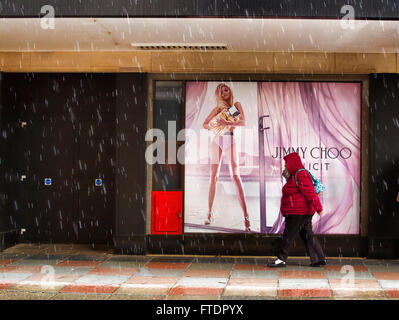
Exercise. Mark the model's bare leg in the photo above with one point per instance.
(216, 160)
(236, 179)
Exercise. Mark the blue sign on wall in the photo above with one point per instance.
(47, 182)
(99, 182)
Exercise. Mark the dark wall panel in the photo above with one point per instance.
(11, 162)
(131, 126)
(60, 126)
(3, 223)
(95, 207)
(384, 155)
(48, 153)
(77, 128)
(363, 9)
(94, 131)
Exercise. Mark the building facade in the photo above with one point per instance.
(109, 146)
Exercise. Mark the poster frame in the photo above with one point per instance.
(242, 77)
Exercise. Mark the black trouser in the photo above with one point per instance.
(301, 224)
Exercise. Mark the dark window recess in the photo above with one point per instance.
(168, 105)
(168, 118)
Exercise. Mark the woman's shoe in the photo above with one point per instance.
(208, 219)
(247, 224)
(277, 264)
(318, 264)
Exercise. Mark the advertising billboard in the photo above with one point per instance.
(237, 134)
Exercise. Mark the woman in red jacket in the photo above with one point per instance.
(298, 204)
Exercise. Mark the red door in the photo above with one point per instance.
(166, 212)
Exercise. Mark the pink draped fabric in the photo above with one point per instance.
(195, 95)
(321, 114)
(339, 124)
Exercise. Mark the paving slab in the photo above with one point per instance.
(301, 274)
(35, 287)
(251, 287)
(386, 275)
(172, 259)
(141, 290)
(392, 293)
(77, 263)
(127, 258)
(4, 262)
(289, 267)
(144, 272)
(49, 278)
(303, 284)
(363, 293)
(199, 282)
(136, 297)
(253, 261)
(89, 288)
(114, 271)
(345, 261)
(34, 262)
(25, 251)
(21, 295)
(44, 256)
(72, 270)
(192, 297)
(248, 266)
(267, 274)
(12, 256)
(10, 277)
(216, 260)
(94, 279)
(210, 266)
(356, 275)
(167, 265)
(207, 273)
(147, 286)
(20, 269)
(389, 284)
(345, 268)
(192, 291)
(199, 286)
(121, 264)
(166, 281)
(84, 257)
(248, 298)
(77, 249)
(364, 298)
(80, 296)
(356, 288)
(308, 293)
(377, 262)
(383, 268)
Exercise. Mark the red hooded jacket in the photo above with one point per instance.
(301, 200)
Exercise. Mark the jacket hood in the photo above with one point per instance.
(293, 162)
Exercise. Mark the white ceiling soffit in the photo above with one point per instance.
(124, 34)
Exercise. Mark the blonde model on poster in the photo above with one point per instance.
(225, 144)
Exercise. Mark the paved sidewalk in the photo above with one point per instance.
(80, 272)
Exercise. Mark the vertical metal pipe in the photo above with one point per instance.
(263, 227)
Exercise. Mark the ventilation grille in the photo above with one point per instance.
(178, 46)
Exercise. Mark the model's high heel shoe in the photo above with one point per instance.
(208, 219)
(247, 224)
